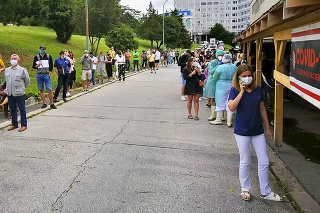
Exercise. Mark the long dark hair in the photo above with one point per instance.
(189, 64)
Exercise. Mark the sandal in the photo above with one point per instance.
(245, 195)
(190, 117)
(196, 118)
(272, 196)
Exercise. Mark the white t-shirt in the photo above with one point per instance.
(158, 55)
(120, 60)
(94, 64)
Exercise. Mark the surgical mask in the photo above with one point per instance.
(194, 64)
(13, 62)
(220, 58)
(245, 80)
(41, 52)
(87, 55)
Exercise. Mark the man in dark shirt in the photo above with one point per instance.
(44, 66)
(182, 62)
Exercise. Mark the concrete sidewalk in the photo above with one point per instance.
(129, 147)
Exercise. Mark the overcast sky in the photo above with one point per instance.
(142, 5)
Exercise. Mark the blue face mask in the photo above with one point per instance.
(41, 52)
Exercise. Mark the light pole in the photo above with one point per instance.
(163, 22)
(87, 24)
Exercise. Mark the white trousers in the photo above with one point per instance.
(260, 147)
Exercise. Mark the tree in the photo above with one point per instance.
(130, 17)
(60, 18)
(103, 16)
(121, 38)
(221, 34)
(176, 35)
(151, 26)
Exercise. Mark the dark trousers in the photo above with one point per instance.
(109, 69)
(144, 63)
(127, 65)
(121, 69)
(62, 81)
(135, 64)
(13, 101)
(72, 78)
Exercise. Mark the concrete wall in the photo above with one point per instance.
(260, 7)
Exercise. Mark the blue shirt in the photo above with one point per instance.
(62, 63)
(248, 120)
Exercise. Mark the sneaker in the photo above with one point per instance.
(52, 106)
(68, 94)
(44, 106)
(200, 99)
(183, 98)
(65, 100)
(83, 90)
(87, 90)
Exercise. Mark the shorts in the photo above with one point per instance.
(100, 70)
(183, 80)
(157, 61)
(151, 64)
(86, 75)
(44, 79)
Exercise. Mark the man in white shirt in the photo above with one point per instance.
(94, 66)
(121, 61)
(157, 60)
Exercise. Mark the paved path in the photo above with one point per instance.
(126, 147)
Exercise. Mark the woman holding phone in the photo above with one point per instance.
(192, 74)
(248, 100)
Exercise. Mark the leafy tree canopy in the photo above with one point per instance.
(121, 38)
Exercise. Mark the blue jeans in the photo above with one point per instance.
(13, 101)
(92, 76)
(127, 65)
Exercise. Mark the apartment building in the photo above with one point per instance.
(234, 15)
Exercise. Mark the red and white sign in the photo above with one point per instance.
(305, 63)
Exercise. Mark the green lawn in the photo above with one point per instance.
(25, 41)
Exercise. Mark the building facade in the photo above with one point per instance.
(234, 15)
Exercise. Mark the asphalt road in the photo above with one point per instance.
(126, 147)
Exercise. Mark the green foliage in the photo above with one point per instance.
(151, 26)
(103, 17)
(122, 38)
(221, 34)
(60, 19)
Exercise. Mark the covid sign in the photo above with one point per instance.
(305, 63)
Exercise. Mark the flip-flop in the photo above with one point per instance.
(245, 195)
(272, 196)
(190, 117)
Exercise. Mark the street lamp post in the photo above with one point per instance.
(87, 24)
(163, 22)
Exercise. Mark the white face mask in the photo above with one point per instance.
(220, 58)
(13, 62)
(245, 80)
